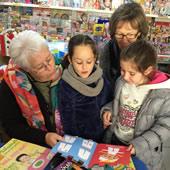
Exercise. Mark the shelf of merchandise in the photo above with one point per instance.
(162, 59)
(54, 7)
(164, 18)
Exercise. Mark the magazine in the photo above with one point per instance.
(21, 155)
(161, 8)
(91, 154)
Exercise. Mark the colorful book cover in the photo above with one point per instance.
(78, 148)
(110, 154)
(147, 5)
(106, 5)
(130, 166)
(91, 154)
(161, 7)
(159, 36)
(64, 165)
(21, 155)
(80, 22)
(116, 4)
(88, 4)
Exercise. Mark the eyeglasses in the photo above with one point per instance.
(44, 66)
(128, 36)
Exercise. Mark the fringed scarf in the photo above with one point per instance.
(83, 85)
(25, 96)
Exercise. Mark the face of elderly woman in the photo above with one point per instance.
(125, 34)
(42, 66)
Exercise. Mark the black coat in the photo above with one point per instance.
(80, 114)
(109, 61)
(14, 124)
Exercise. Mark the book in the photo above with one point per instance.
(159, 36)
(58, 162)
(161, 8)
(91, 154)
(21, 155)
(116, 4)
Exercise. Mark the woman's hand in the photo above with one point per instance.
(131, 149)
(107, 117)
(52, 138)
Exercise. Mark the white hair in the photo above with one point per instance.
(24, 45)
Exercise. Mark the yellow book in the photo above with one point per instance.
(21, 155)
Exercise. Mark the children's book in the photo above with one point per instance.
(159, 36)
(91, 154)
(21, 155)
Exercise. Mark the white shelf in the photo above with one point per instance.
(157, 16)
(53, 7)
(163, 59)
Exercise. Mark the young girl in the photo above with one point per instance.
(83, 91)
(139, 115)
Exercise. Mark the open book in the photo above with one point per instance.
(90, 154)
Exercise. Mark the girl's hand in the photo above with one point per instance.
(52, 138)
(107, 119)
(131, 149)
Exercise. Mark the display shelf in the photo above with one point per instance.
(47, 19)
(107, 12)
(54, 7)
(41, 6)
(160, 18)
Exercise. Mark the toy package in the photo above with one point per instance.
(5, 39)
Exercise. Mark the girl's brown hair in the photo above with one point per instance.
(142, 53)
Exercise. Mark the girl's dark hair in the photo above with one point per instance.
(77, 40)
(130, 12)
(142, 53)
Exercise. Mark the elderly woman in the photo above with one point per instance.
(127, 24)
(28, 99)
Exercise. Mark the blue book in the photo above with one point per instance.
(81, 150)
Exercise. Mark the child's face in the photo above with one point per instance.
(26, 159)
(132, 75)
(107, 3)
(83, 60)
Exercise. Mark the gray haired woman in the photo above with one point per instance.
(28, 91)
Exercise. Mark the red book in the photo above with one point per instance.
(112, 155)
